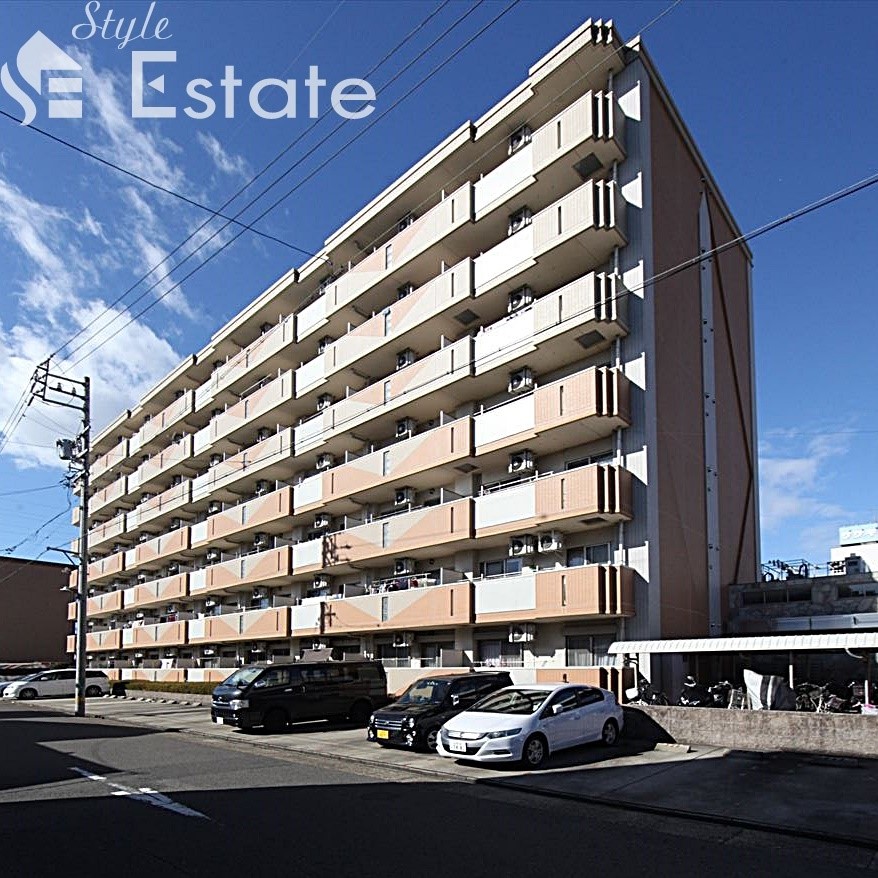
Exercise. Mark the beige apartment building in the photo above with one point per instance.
(474, 431)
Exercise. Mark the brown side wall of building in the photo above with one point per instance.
(33, 611)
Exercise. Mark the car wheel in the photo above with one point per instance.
(431, 739)
(610, 733)
(275, 721)
(534, 752)
(359, 713)
(27, 694)
(93, 692)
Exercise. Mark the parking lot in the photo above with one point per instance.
(782, 793)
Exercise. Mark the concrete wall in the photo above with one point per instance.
(826, 733)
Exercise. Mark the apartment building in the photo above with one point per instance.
(473, 431)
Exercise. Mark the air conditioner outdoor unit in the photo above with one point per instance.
(142, 577)
(551, 541)
(519, 138)
(260, 540)
(176, 480)
(208, 652)
(171, 608)
(324, 343)
(522, 461)
(176, 438)
(324, 401)
(139, 615)
(404, 290)
(215, 413)
(138, 655)
(405, 221)
(405, 358)
(521, 544)
(401, 640)
(212, 556)
(210, 602)
(146, 495)
(319, 644)
(173, 568)
(117, 547)
(402, 496)
(215, 459)
(263, 486)
(263, 434)
(322, 582)
(403, 566)
(176, 523)
(259, 593)
(325, 461)
(214, 506)
(405, 427)
(266, 327)
(521, 380)
(520, 298)
(518, 220)
(144, 537)
(522, 633)
(322, 521)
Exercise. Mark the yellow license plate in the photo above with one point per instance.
(383, 734)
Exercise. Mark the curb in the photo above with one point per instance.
(498, 783)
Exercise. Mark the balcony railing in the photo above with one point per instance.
(159, 591)
(168, 501)
(273, 507)
(108, 495)
(249, 625)
(164, 546)
(104, 604)
(104, 568)
(107, 461)
(105, 532)
(151, 636)
(160, 423)
(160, 463)
(98, 641)
(270, 567)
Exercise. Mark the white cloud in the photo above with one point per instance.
(227, 163)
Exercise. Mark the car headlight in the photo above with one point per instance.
(239, 704)
(506, 733)
(409, 721)
(372, 719)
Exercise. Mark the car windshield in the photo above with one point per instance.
(243, 677)
(522, 701)
(425, 692)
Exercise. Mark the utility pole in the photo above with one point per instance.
(49, 387)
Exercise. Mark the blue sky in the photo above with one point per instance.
(775, 95)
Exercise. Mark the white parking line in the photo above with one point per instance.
(144, 794)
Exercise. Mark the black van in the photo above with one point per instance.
(272, 696)
(415, 719)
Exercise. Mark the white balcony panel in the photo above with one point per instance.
(505, 420)
(507, 259)
(508, 505)
(198, 580)
(198, 532)
(503, 337)
(307, 554)
(196, 627)
(504, 181)
(310, 434)
(202, 440)
(305, 616)
(312, 316)
(312, 374)
(307, 492)
(506, 593)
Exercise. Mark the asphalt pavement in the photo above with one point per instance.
(128, 796)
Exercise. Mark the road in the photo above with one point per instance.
(92, 797)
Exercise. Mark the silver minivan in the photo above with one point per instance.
(58, 683)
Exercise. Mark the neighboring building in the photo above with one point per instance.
(857, 549)
(33, 611)
(478, 439)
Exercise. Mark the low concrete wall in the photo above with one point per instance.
(168, 696)
(825, 733)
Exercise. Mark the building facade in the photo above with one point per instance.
(490, 424)
(33, 611)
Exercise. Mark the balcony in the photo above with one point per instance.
(420, 532)
(583, 407)
(156, 593)
(164, 546)
(409, 387)
(113, 492)
(273, 509)
(249, 625)
(161, 423)
(105, 568)
(71, 611)
(240, 367)
(594, 496)
(105, 532)
(411, 320)
(104, 604)
(598, 590)
(263, 459)
(106, 462)
(402, 250)
(306, 618)
(161, 634)
(98, 641)
(415, 462)
(429, 607)
(267, 400)
(591, 125)
(272, 567)
(579, 230)
(161, 504)
(149, 473)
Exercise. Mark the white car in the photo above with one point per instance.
(527, 723)
(58, 683)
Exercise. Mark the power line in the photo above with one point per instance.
(275, 204)
(30, 490)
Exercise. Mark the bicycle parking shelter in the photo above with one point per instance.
(859, 645)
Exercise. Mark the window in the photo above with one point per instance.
(567, 699)
(589, 650)
(431, 653)
(600, 457)
(500, 654)
(589, 696)
(314, 675)
(274, 677)
(501, 567)
(577, 556)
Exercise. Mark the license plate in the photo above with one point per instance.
(383, 734)
(218, 720)
(457, 746)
